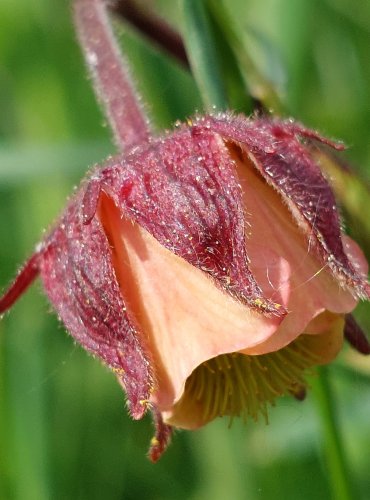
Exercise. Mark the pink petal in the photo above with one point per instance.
(320, 348)
(355, 256)
(270, 225)
(326, 345)
(186, 317)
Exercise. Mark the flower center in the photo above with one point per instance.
(240, 385)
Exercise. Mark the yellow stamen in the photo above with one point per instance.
(238, 385)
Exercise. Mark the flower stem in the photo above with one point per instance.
(336, 463)
(110, 74)
(202, 54)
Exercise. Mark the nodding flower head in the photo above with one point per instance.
(206, 267)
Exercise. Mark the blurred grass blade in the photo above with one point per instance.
(238, 96)
(258, 85)
(229, 477)
(21, 163)
(202, 55)
(339, 478)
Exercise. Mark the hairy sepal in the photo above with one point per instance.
(184, 191)
(80, 281)
(279, 153)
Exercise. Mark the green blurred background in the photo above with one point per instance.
(64, 431)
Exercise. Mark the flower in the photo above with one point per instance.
(207, 269)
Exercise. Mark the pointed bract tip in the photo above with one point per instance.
(25, 277)
(355, 336)
(161, 438)
(90, 200)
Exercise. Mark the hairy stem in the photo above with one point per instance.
(110, 74)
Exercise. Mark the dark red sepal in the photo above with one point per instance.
(183, 189)
(80, 281)
(355, 336)
(277, 150)
(161, 439)
(27, 274)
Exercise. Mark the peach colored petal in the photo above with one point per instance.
(328, 344)
(270, 225)
(323, 323)
(323, 347)
(273, 272)
(185, 316)
(188, 319)
(191, 419)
